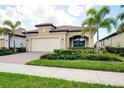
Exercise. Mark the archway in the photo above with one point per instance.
(77, 42)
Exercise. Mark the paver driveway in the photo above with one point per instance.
(21, 58)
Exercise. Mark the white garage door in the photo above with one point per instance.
(45, 44)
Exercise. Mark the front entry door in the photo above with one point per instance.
(78, 42)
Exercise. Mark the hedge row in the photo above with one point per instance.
(75, 51)
(115, 50)
(83, 48)
(5, 51)
(61, 56)
(20, 49)
(105, 57)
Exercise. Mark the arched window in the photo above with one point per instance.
(77, 42)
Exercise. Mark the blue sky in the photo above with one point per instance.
(56, 14)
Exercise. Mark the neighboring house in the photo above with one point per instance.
(48, 37)
(114, 40)
(6, 40)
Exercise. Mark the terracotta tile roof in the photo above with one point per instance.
(63, 28)
(19, 33)
(32, 31)
(45, 24)
(68, 27)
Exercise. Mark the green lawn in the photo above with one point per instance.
(81, 64)
(122, 58)
(9, 80)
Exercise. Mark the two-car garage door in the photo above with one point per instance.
(45, 44)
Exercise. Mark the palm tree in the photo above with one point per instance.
(4, 30)
(13, 28)
(120, 17)
(97, 19)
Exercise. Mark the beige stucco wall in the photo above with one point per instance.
(114, 41)
(64, 37)
(2, 43)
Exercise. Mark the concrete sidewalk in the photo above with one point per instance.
(92, 76)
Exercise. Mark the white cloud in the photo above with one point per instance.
(62, 18)
(45, 13)
(40, 14)
(34, 12)
(75, 10)
(10, 13)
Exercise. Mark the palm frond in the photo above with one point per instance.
(1, 30)
(17, 24)
(4, 31)
(89, 25)
(103, 11)
(120, 28)
(91, 30)
(91, 21)
(107, 26)
(111, 21)
(107, 23)
(120, 16)
(9, 23)
(92, 12)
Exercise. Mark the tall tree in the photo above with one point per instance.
(13, 28)
(4, 31)
(97, 19)
(120, 18)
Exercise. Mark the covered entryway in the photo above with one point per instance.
(2, 43)
(77, 42)
(45, 44)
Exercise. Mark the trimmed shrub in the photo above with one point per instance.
(83, 48)
(68, 51)
(75, 51)
(5, 51)
(64, 51)
(61, 56)
(19, 50)
(88, 51)
(121, 54)
(115, 50)
(103, 50)
(104, 57)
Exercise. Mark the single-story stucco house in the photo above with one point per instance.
(48, 37)
(114, 40)
(7, 40)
